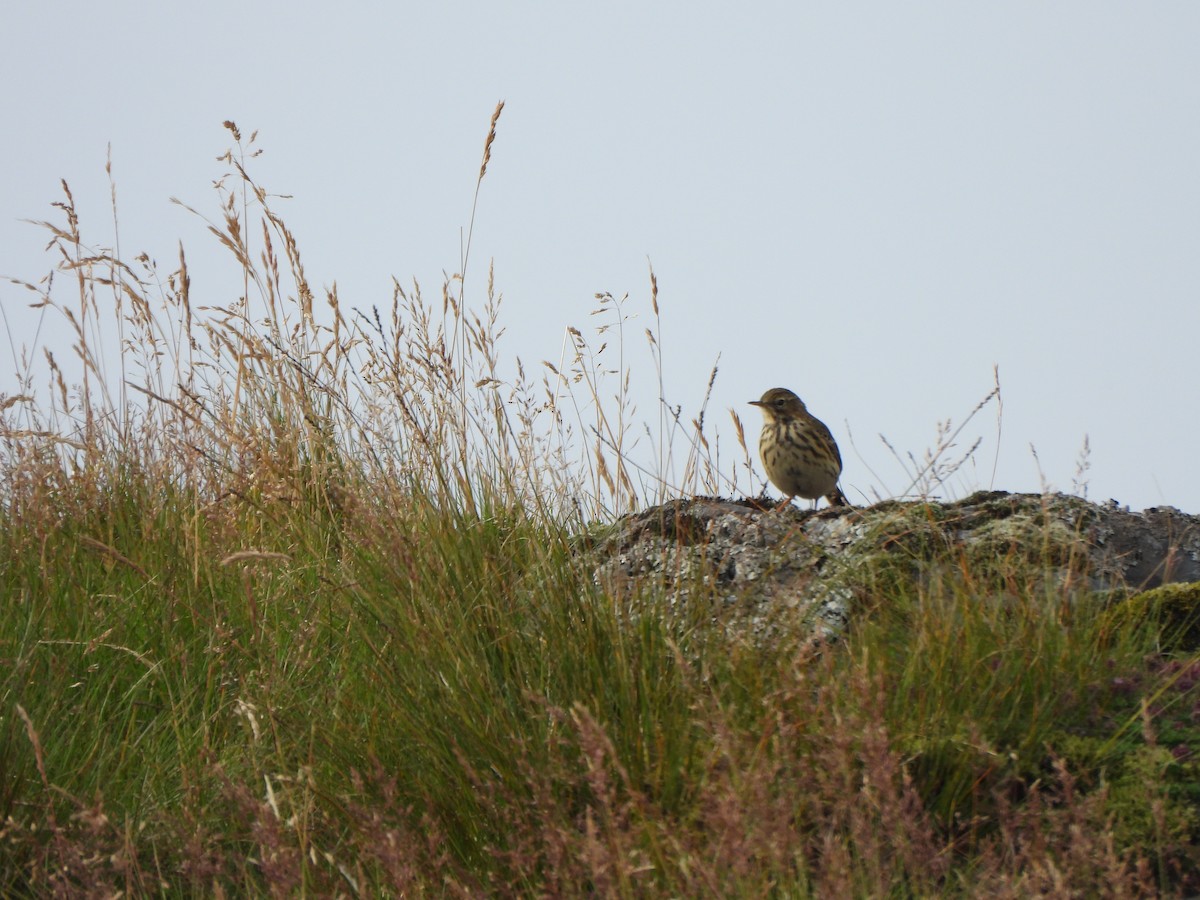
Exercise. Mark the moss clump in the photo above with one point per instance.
(1174, 609)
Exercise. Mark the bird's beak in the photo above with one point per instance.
(756, 403)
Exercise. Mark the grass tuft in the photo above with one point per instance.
(291, 606)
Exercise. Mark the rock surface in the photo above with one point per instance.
(757, 563)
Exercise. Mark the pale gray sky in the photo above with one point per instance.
(870, 203)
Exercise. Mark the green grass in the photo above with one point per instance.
(306, 614)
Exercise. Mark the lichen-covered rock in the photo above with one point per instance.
(753, 564)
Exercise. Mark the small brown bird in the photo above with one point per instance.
(799, 453)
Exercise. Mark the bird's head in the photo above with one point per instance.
(780, 403)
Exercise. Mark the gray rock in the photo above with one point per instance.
(751, 565)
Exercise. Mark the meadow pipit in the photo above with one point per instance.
(800, 455)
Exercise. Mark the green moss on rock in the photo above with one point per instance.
(1173, 608)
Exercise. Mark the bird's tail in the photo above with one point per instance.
(836, 497)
